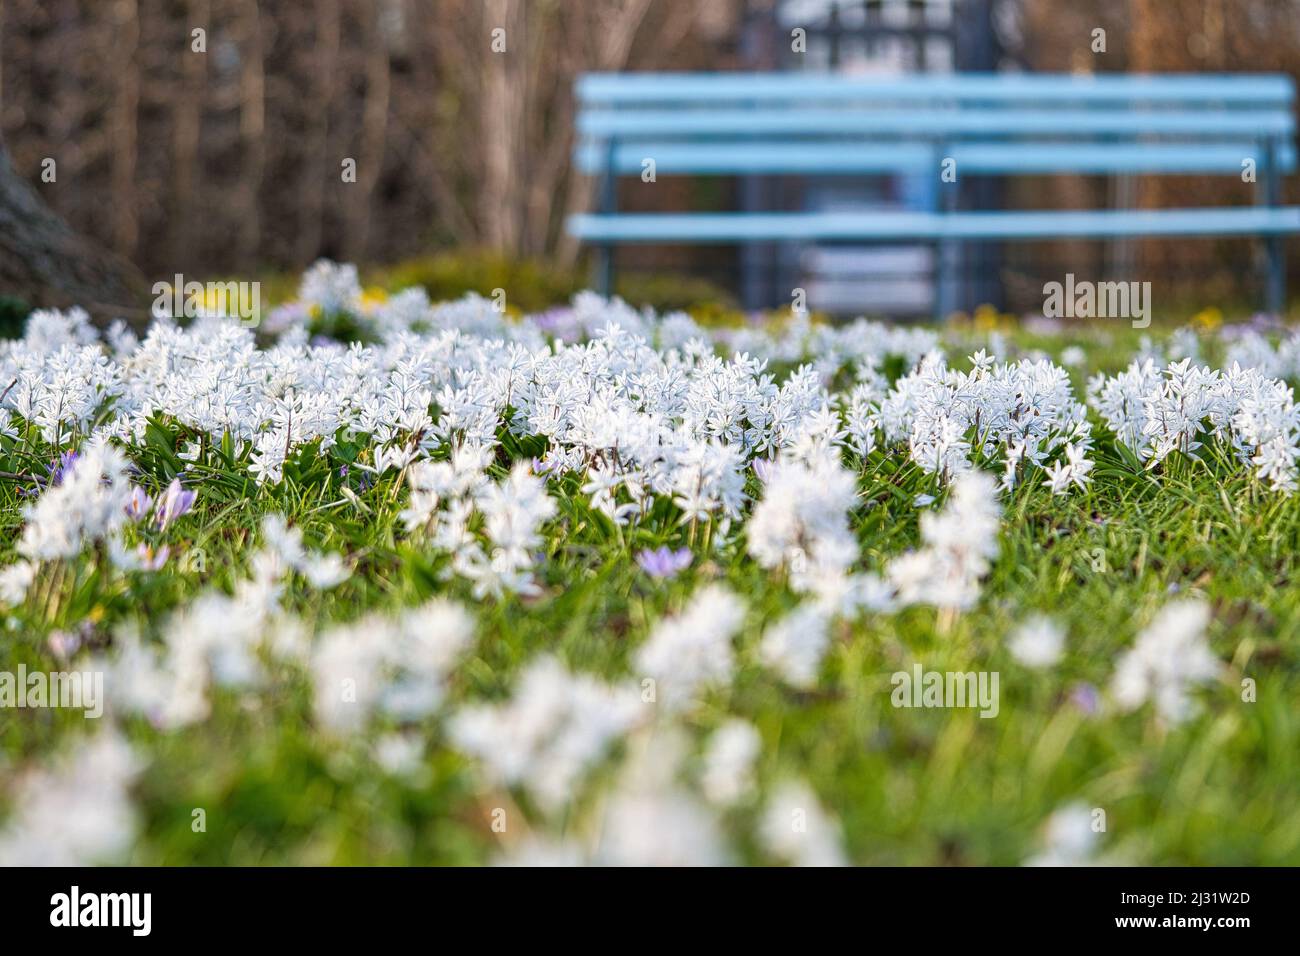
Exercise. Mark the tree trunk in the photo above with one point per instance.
(46, 264)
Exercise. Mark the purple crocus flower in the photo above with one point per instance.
(64, 644)
(664, 562)
(560, 322)
(60, 467)
(174, 503)
(151, 560)
(139, 504)
(1084, 696)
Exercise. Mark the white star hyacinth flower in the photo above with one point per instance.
(691, 652)
(15, 580)
(554, 728)
(76, 811)
(1073, 355)
(1069, 838)
(938, 411)
(796, 829)
(513, 513)
(802, 522)
(1157, 412)
(330, 287)
(727, 776)
(88, 505)
(1038, 642)
(1170, 657)
(1061, 476)
(650, 819)
(219, 638)
(49, 330)
(958, 546)
(397, 666)
(795, 645)
(285, 547)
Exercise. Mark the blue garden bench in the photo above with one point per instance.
(985, 124)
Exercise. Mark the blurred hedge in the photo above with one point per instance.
(532, 285)
(13, 314)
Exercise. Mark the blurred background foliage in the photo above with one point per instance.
(229, 162)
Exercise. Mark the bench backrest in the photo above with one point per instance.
(760, 123)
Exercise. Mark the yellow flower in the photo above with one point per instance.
(987, 318)
(214, 298)
(1207, 319)
(372, 297)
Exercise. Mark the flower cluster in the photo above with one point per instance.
(1156, 412)
(1169, 658)
(756, 502)
(1016, 414)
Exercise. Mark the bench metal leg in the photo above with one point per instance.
(943, 280)
(945, 264)
(1274, 250)
(1275, 292)
(603, 270)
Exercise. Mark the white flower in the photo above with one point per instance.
(691, 652)
(48, 330)
(958, 545)
(15, 580)
(88, 505)
(331, 288)
(1070, 838)
(1073, 471)
(395, 665)
(1157, 412)
(727, 777)
(796, 829)
(285, 549)
(552, 730)
(1038, 642)
(802, 522)
(650, 818)
(77, 810)
(1170, 656)
(794, 645)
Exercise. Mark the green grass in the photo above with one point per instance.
(908, 786)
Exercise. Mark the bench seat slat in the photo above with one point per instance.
(786, 87)
(934, 123)
(891, 225)
(847, 158)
